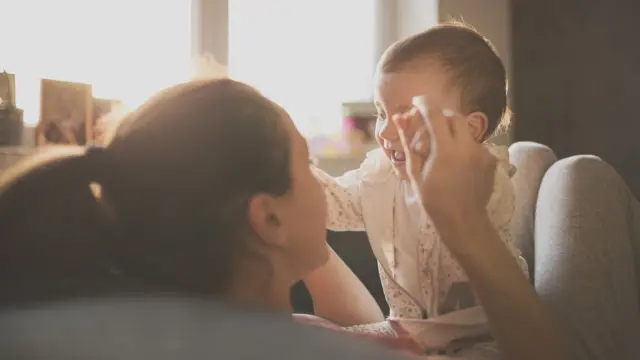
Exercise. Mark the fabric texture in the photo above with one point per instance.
(161, 328)
(587, 256)
(578, 226)
(532, 161)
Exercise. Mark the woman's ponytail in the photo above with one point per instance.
(52, 224)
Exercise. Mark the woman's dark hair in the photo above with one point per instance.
(174, 185)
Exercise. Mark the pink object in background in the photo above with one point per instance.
(348, 125)
(328, 146)
(354, 136)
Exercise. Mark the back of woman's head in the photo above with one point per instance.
(52, 234)
(176, 175)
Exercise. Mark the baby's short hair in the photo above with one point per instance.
(473, 64)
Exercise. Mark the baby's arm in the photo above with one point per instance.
(339, 296)
(344, 212)
(337, 293)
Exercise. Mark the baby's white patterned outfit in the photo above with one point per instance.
(427, 291)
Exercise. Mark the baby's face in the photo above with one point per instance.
(393, 95)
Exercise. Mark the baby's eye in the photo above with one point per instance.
(381, 116)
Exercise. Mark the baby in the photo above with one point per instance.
(452, 67)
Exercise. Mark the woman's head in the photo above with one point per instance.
(455, 68)
(207, 185)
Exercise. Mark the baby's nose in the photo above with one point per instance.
(389, 132)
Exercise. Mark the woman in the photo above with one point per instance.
(200, 192)
(206, 190)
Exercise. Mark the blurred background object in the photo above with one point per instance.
(11, 117)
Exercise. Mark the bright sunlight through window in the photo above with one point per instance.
(309, 56)
(127, 49)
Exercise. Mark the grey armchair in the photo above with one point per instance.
(532, 161)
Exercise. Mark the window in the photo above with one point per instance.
(127, 49)
(309, 56)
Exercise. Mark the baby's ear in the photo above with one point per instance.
(478, 125)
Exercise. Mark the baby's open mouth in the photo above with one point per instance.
(398, 157)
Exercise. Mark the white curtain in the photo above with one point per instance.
(127, 49)
(309, 56)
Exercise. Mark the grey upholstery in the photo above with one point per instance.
(166, 328)
(578, 226)
(532, 161)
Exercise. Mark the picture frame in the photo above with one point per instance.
(66, 113)
(7, 89)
